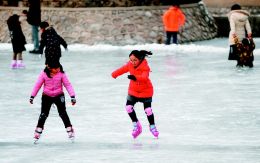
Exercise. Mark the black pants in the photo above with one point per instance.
(170, 35)
(59, 101)
(147, 102)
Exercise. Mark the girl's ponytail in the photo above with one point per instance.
(146, 53)
(140, 54)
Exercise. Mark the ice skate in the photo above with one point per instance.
(13, 64)
(137, 129)
(71, 133)
(37, 134)
(20, 64)
(154, 131)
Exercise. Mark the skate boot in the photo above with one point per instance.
(37, 134)
(71, 133)
(13, 64)
(20, 64)
(137, 129)
(154, 131)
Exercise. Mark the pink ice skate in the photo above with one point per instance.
(71, 133)
(154, 131)
(13, 64)
(20, 64)
(137, 129)
(37, 134)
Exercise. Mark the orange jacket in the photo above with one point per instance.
(173, 19)
(142, 87)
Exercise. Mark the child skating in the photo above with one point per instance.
(51, 41)
(18, 41)
(245, 52)
(140, 89)
(53, 78)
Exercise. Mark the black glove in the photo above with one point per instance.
(31, 99)
(131, 77)
(73, 100)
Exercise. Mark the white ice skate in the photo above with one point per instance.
(71, 133)
(37, 134)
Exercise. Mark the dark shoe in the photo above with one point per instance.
(34, 51)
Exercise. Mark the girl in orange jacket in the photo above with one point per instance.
(140, 89)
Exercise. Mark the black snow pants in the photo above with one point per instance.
(59, 101)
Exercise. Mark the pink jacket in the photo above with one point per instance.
(53, 86)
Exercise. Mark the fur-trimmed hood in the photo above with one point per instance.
(240, 15)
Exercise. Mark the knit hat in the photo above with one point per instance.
(44, 25)
(245, 41)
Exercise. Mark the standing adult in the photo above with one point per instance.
(239, 28)
(173, 20)
(34, 19)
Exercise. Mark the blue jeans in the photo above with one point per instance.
(35, 37)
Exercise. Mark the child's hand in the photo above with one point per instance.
(31, 99)
(113, 75)
(131, 77)
(73, 100)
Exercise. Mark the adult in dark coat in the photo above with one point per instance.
(51, 41)
(17, 39)
(34, 19)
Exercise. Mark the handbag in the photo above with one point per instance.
(233, 53)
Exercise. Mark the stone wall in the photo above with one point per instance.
(116, 26)
(95, 3)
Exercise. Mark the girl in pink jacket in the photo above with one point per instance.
(52, 79)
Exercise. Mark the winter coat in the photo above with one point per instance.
(34, 13)
(142, 87)
(239, 25)
(53, 86)
(173, 19)
(51, 41)
(245, 51)
(16, 34)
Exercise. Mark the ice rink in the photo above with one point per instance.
(206, 109)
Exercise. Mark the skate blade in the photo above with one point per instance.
(72, 139)
(35, 141)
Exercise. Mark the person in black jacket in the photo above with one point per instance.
(51, 41)
(34, 19)
(18, 41)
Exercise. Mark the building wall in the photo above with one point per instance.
(120, 26)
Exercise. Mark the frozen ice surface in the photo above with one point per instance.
(205, 109)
